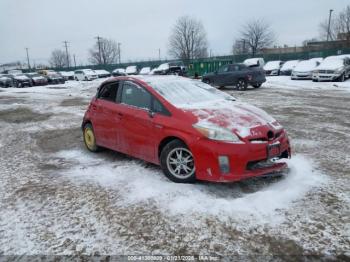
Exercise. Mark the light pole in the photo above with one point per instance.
(28, 58)
(329, 24)
(119, 52)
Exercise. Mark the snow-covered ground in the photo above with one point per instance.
(58, 198)
(286, 82)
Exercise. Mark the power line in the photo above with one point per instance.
(66, 45)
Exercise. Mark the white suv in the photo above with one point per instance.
(332, 69)
(85, 74)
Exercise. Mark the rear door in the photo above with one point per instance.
(106, 116)
(221, 77)
(138, 134)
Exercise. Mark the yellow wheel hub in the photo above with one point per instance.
(89, 138)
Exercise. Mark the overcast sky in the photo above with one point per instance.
(143, 26)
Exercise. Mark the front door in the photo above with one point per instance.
(137, 134)
(106, 118)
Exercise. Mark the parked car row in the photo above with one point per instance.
(172, 68)
(332, 68)
(15, 78)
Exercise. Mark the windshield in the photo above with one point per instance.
(183, 92)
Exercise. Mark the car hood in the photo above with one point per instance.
(243, 119)
(38, 78)
(21, 78)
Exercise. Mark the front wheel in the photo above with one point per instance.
(342, 78)
(207, 81)
(177, 162)
(89, 138)
(242, 84)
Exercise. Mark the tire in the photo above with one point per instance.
(207, 81)
(257, 85)
(342, 78)
(89, 138)
(241, 84)
(177, 162)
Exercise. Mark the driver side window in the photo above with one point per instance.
(135, 95)
(223, 69)
(109, 92)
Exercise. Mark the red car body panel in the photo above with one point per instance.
(133, 131)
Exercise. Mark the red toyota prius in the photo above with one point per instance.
(192, 130)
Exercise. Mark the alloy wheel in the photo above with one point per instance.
(180, 163)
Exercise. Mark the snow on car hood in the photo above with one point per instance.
(305, 66)
(241, 118)
(289, 65)
(272, 65)
(331, 64)
(21, 77)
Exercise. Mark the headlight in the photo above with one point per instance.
(215, 132)
(338, 71)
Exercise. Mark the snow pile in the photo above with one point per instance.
(139, 184)
(285, 82)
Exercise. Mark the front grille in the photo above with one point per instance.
(326, 71)
(261, 164)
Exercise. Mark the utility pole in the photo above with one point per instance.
(28, 58)
(119, 52)
(75, 63)
(192, 44)
(99, 48)
(67, 55)
(329, 24)
(159, 54)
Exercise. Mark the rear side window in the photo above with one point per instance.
(109, 91)
(234, 68)
(135, 95)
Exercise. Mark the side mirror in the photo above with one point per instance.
(151, 113)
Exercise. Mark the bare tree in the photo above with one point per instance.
(58, 58)
(344, 24)
(339, 26)
(188, 39)
(105, 51)
(257, 35)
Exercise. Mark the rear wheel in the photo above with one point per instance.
(242, 84)
(177, 162)
(89, 138)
